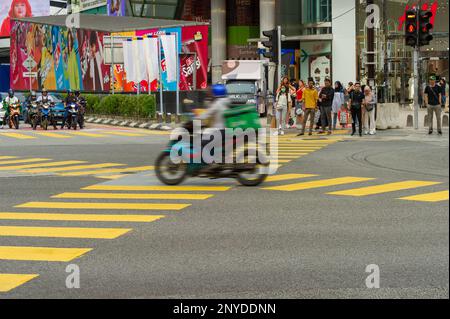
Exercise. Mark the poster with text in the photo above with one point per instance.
(18, 9)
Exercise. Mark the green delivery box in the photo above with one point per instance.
(242, 116)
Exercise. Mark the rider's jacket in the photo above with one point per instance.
(11, 100)
(70, 99)
(45, 99)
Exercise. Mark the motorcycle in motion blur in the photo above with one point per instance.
(184, 156)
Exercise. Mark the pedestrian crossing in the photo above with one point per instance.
(66, 134)
(318, 182)
(95, 207)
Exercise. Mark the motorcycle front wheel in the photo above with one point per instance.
(168, 172)
(16, 122)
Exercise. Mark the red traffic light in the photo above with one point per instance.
(411, 28)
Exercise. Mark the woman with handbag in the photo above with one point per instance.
(369, 106)
(281, 107)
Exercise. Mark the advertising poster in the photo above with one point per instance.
(116, 8)
(320, 68)
(194, 40)
(11, 9)
(56, 58)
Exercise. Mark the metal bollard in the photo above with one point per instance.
(159, 117)
(169, 118)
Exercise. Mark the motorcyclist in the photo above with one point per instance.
(10, 100)
(70, 98)
(216, 111)
(32, 98)
(45, 98)
(82, 107)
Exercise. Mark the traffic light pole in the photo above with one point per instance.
(416, 87)
(279, 54)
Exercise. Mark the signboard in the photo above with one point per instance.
(83, 5)
(30, 74)
(29, 63)
(16, 9)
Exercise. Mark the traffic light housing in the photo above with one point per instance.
(271, 45)
(411, 34)
(425, 27)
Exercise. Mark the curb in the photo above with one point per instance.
(132, 124)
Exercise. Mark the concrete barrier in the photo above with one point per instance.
(388, 116)
(445, 120)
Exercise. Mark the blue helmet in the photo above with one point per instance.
(219, 90)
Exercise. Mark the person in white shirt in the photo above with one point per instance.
(281, 110)
(10, 99)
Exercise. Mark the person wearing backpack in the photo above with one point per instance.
(433, 100)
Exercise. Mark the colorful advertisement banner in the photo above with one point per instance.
(55, 58)
(117, 8)
(194, 43)
(16, 9)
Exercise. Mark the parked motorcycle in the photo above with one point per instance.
(14, 115)
(72, 119)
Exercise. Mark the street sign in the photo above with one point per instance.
(30, 74)
(29, 63)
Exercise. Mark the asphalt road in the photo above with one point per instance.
(288, 238)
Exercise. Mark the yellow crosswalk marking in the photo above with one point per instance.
(54, 135)
(293, 153)
(85, 134)
(428, 197)
(152, 132)
(288, 156)
(10, 281)
(286, 177)
(41, 253)
(280, 161)
(158, 188)
(72, 168)
(384, 188)
(110, 171)
(133, 196)
(319, 183)
(30, 160)
(63, 232)
(7, 157)
(51, 164)
(112, 206)
(122, 133)
(18, 136)
(81, 217)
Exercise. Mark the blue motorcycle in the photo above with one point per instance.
(46, 115)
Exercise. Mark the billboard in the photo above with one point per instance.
(16, 9)
(117, 8)
(194, 44)
(83, 5)
(56, 58)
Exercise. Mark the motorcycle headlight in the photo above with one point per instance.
(251, 101)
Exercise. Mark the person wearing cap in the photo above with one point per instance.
(44, 98)
(433, 100)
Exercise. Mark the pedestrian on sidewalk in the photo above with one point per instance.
(261, 103)
(433, 100)
(338, 102)
(299, 107)
(369, 108)
(310, 99)
(290, 90)
(356, 101)
(326, 97)
(282, 102)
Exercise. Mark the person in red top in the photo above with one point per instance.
(299, 109)
(19, 9)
